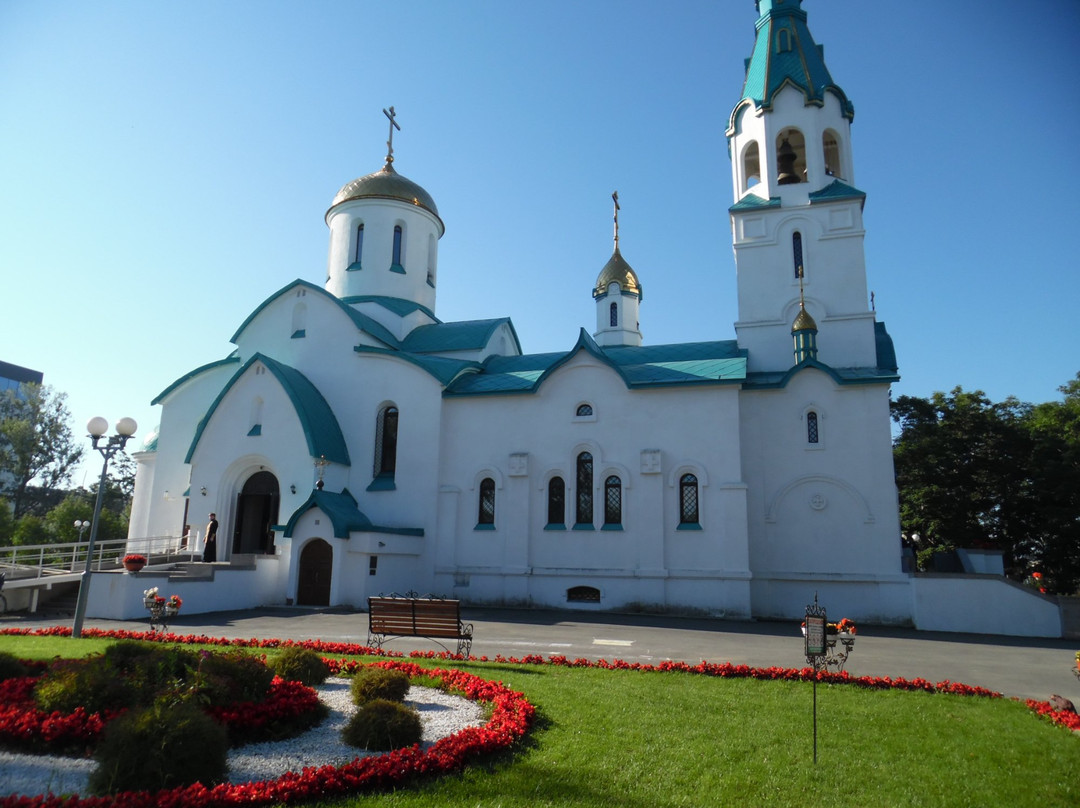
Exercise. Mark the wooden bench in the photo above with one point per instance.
(428, 617)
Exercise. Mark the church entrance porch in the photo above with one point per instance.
(256, 513)
(313, 578)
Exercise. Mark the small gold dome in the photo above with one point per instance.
(616, 270)
(803, 321)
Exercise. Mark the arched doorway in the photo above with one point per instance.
(313, 581)
(256, 513)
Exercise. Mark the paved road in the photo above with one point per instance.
(1026, 668)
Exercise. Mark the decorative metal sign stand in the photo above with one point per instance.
(817, 648)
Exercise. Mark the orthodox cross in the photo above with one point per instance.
(872, 302)
(802, 304)
(390, 140)
(615, 199)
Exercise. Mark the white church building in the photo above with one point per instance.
(354, 444)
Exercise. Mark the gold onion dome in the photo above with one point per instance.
(803, 321)
(616, 270)
(387, 184)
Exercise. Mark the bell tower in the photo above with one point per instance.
(797, 218)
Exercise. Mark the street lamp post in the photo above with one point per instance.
(97, 427)
(82, 525)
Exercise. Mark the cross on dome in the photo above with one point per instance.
(390, 140)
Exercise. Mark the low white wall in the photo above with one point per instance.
(982, 604)
(883, 601)
(119, 596)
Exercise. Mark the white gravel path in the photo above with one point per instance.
(441, 714)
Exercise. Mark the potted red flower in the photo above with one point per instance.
(134, 562)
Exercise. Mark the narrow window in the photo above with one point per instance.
(556, 509)
(584, 410)
(796, 254)
(359, 244)
(486, 515)
(299, 321)
(612, 501)
(811, 427)
(396, 262)
(386, 427)
(614, 315)
(373, 565)
(431, 262)
(584, 513)
(688, 500)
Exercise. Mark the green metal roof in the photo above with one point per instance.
(229, 360)
(444, 369)
(773, 64)
(842, 376)
(469, 335)
(886, 353)
(321, 428)
(397, 305)
(639, 367)
(345, 516)
(755, 202)
(836, 190)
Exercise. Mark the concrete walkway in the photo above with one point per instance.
(1021, 667)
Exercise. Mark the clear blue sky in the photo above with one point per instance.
(165, 167)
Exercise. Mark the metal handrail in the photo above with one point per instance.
(39, 560)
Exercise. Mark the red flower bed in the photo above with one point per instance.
(25, 727)
(1064, 718)
(511, 717)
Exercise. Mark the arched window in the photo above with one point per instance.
(688, 500)
(614, 311)
(584, 410)
(751, 166)
(556, 502)
(431, 262)
(359, 245)
(796, 254)
(386, 428)
(612, 501)
(830, 147)
(397, 262)
(486, 514)
(811, 427)
(783, 40)
(790, 156)
(584, 513)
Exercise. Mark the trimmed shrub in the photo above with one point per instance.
(162, 746)
(10, 667)
(373, 682)
(296, 664)
(90, 683)
(224, 679)
(151, 668)
(383, 725)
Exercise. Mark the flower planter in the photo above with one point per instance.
(134, 566)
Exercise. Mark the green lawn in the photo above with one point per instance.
(647, 740)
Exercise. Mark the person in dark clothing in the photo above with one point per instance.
(210, 546)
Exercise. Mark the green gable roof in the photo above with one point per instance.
(469, 335)
(345, 516)
(785, 54)
(443, 369)
(639, 367)
(232, 359)
(321, 428)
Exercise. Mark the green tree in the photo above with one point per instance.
(60, 521)
(30, 529)
(36, 443)
(7, 523)
(1055, 543)
(974, 473)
